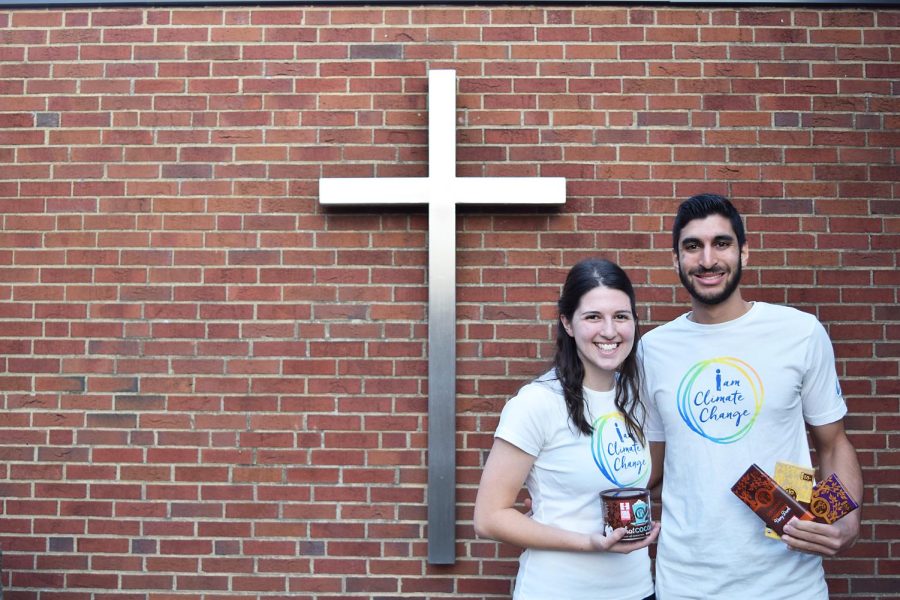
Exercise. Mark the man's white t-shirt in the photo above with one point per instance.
(723, 397)
(569, 472)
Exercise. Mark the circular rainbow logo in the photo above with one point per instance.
(720, 399)
(619, 457)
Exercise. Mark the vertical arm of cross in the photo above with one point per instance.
(441, 385)
(442, 318)
(442, 127)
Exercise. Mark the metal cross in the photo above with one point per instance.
(442, 191)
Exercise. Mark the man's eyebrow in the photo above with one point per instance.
(718, 238)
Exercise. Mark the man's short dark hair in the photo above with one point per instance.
(702, 206)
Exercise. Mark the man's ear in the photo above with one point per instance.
(745, 255)
(675, 264)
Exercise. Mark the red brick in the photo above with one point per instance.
(216, 354)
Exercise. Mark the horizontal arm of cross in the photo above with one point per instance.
(457, 190)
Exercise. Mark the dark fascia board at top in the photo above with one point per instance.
(314, 3)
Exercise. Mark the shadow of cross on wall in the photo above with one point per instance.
(442, 190)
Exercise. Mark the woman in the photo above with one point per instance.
(568, 435)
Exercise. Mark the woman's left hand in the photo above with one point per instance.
(613, 543)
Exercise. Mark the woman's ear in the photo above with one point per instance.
(566, 324)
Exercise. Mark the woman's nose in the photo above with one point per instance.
(607, 328)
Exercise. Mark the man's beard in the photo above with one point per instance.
(730, 285)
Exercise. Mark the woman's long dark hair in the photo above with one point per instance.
(582, 278)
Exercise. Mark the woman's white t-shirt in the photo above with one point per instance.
(569, 472)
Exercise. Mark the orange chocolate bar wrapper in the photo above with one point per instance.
(768, 499)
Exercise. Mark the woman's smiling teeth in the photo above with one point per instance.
(607, 347)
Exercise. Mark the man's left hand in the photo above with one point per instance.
(821, 538)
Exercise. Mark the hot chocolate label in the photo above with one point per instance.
(720, 398)
(621, 458)
(628, 508)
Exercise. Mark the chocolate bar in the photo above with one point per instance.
(831, 500)
(768, 499)
(796, 481)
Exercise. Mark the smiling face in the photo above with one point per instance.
(603, 328)
(709, 262)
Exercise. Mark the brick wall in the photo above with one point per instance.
(214, 388)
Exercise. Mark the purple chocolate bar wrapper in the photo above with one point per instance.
(830, 500)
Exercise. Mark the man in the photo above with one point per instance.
(729, 384)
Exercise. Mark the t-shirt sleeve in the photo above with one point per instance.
(521, 422)
(821, 395)
(653, 427)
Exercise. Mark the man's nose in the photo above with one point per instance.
(707, 257)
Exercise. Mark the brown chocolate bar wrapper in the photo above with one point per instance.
(831, 500)
(768, 500)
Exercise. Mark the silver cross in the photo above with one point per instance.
(442, 190)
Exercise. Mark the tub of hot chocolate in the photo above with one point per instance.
(628, 508)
